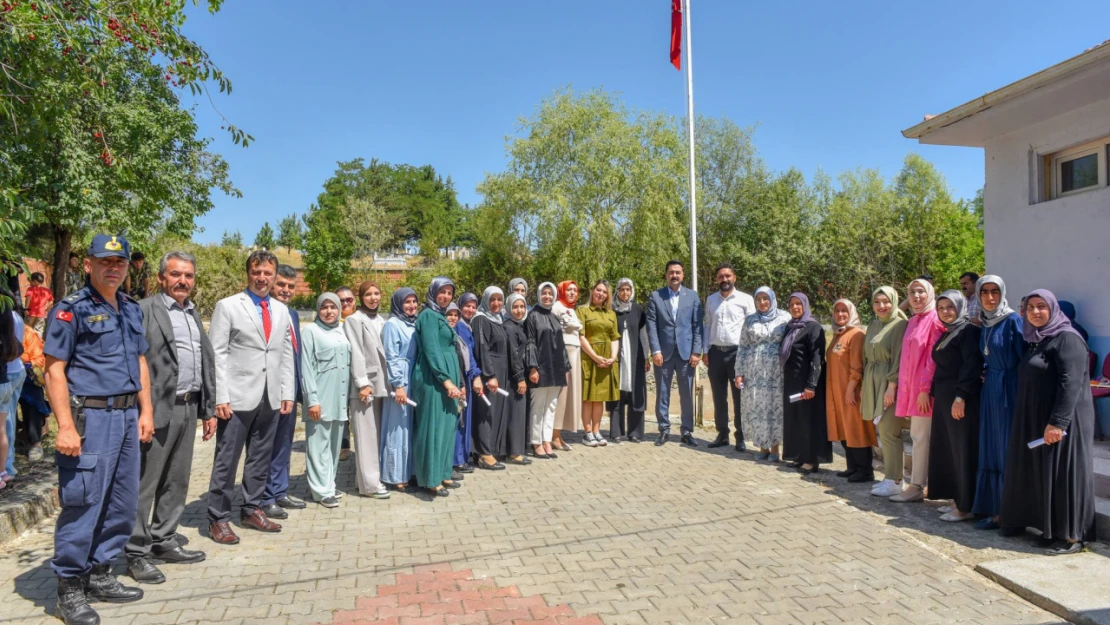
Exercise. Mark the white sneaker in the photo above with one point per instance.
(945, 509)
(382, 493)
(886, 488)
(588, 440)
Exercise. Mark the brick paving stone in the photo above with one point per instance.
(719, 539)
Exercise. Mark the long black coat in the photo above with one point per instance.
(805, 431)
(954, 444)
(545, 351)
(492, 355)
(629, 325)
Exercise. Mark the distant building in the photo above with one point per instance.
(1047, 192)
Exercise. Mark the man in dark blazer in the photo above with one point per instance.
(277, 498)
(182, 389)
(674, 324)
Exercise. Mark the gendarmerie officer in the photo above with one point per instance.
(97, 381)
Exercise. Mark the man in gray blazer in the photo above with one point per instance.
(182, 390)
(253, 348)
(674, 329)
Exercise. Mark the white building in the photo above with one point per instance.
(1047, 194)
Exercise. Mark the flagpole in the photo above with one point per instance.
(690, 132)
(693, 197)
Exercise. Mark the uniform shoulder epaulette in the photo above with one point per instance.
(77, 295)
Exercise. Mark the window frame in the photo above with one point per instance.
(1100, 148)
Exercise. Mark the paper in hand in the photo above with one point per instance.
(1040, 441)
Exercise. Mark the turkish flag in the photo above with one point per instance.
(676, 34)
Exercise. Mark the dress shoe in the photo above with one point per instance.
(496, 466)
(72, 606)
(662, 440)
(814, 469)
(688, 439)
(103, 586)
(465, 468)
(177, 555)
(797, 464)
(258, 520)
(143, 571)
(862, 476)
(741, 447)
(275, 511)
(452, 485)
(221, 532)
(846, 473)
(635, 439)
(1065, 549)
(720, 441)
(289, 502)
(522, 462)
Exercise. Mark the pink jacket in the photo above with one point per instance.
(916, 367)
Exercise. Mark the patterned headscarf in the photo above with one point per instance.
(483, 308)
(438, 284)
(794, 326)
(853, 316)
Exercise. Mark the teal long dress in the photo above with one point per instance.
(433, 437)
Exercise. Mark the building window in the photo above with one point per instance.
(1078, 169)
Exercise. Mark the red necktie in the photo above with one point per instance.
(266, 319)
(293, 335)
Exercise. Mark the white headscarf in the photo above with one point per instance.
(996, 316)
(853, 316)
(929, 290)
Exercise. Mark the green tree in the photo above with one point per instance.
(328, 248)
(232, 239)
(591, 191)
(264, 240)
(129, 161)
(290, 233)
(220, 271)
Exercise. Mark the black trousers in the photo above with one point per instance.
(167, 461)
(253, 430)
(623, 419)
(722, 372)
(859, 458)
(32, 423)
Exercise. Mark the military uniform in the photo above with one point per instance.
(98, 489)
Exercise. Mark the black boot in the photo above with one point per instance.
(103, 586)
(72, 607)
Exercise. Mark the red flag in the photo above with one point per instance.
(676, 34)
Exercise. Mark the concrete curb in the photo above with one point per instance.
(1067, 586)
(29, 508)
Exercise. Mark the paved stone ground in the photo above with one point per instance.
(628, 534)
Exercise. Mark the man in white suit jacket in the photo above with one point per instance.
(254, 363)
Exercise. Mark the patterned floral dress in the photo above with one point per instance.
(757, 359)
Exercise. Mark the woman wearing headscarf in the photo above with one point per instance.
(520, 287)
(915, 382)
(954, 444)
(325, 378)
(844, 376)
(547, 364)
(600, 350)
(516, 435)
(1050, 487)
(759, 374)
(882, 354)
(626, 415)
(802, 356)
(1002, 346)
(568, 413)
(468, 307)
(491, 352)
(400, 357)
(368, 391)
(471, 372)
(436, 389)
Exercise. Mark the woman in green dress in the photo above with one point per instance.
(601, 343)
(882, 349)
(325, 378)
(436, 382)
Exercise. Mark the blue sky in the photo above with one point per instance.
(830, 84)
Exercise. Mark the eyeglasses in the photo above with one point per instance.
(348, 300)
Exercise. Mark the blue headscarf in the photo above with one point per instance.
(773, 312)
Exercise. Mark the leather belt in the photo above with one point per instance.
(187, 398)
(117, 402)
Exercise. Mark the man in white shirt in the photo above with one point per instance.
(967, 285)
(725, 312)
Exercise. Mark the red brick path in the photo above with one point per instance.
(434, 594)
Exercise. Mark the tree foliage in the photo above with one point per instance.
(290, 233)
(232, 239)
(220, 271)
(264, 240)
